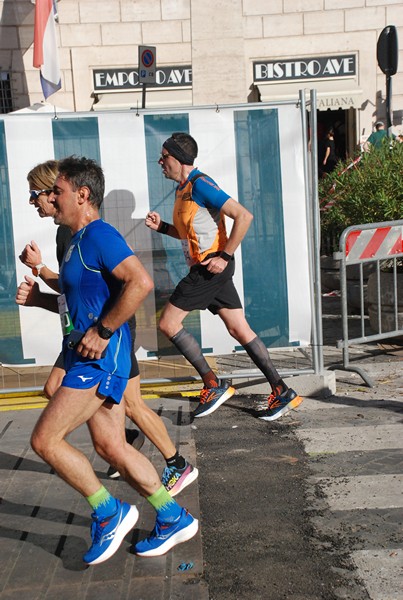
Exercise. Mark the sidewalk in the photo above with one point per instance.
(45, 524)
(352, 450)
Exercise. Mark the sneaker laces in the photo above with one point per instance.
(167, 474)
(204, 394)
(271, 399)
(96, 528)
(274, 395)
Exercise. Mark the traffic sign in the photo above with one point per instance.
(147, 64)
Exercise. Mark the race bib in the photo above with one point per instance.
(65, 318)
(185, 248)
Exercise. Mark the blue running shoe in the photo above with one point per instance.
(107, 534)
(165, 535)
(281, 404)
(212, 398)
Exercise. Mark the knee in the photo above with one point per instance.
(52, 385)
(39, 443)
(163, 326)
(234, 331)
(49, 390)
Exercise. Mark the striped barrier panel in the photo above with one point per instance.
(380, 315)
(374, 244)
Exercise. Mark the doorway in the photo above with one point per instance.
(343, 123)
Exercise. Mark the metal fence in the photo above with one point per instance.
(303, 359)
(376, 250)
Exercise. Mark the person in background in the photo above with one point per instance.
(377, 137)
(330, 159)
(199, 223)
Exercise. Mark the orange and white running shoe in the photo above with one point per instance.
(280, 404)
(211, 398)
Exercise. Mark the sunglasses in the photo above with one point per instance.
(163, 157)
(34, 194)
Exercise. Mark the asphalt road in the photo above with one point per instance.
(258, 538)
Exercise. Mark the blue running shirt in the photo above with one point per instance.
(91, 290)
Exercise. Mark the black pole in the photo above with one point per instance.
(143, 96)
(388, 103)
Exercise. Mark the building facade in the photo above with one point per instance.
(211, 52)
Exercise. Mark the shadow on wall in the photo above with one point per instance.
(119, 209)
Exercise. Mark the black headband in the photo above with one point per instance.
(176, 151)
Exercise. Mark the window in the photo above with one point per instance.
(6, 105)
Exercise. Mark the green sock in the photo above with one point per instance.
(102, 503)
(166, 507)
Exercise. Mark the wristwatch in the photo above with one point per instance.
(225, 256)
(104, 332)
(37, 269)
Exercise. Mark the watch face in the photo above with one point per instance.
(104, 332)
(35, 272)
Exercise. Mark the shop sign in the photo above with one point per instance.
(321, 67)
(334, 102)
(115, 80)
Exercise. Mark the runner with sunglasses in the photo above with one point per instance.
(178, 473)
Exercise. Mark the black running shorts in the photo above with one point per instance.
(134, 369)
(201, 289)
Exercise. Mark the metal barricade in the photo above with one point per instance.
(379, 245)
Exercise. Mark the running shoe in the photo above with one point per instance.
(135, 438)
(165, 535)
(108, 533)
(175, 480)
(212, 398)
(281, 404)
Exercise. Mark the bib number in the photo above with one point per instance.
(65, 318)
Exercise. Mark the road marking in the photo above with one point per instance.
(352, 439)
(382, 571)
(365, 492)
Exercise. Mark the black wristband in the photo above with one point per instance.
(225, 256)
(163, 228)
(104, 332)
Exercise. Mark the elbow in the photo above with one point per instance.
(248, 218)
(148, 285)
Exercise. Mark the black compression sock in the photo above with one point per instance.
(176, 461)
(260, 356)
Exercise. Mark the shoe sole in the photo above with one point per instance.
(113, 475)
(228, 394)
(177, 538)
(189, 479)
(126, 525)
(290, 406)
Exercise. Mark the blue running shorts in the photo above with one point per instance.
(83, 377)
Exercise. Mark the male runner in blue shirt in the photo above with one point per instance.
(102, 285)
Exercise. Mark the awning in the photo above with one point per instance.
(40, 107)
(329, 96)
(155, 98)
(343, 100)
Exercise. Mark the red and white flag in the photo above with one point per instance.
(46, 57)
